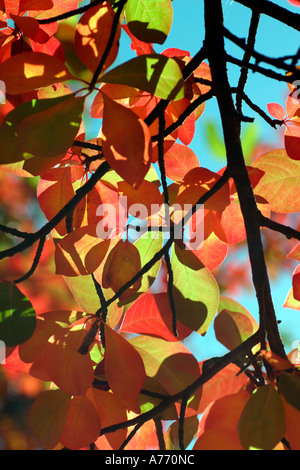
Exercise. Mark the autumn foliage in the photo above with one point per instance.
(101, 291)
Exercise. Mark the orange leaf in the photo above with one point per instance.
(126, 147)
(28, 71)
(111, 411)
(122, 263)
(179, 159)
(92, 34)
(70, 371)
(54, 191)
(124, 369)
(218, 439)
(151, 315)
(83, 424)
(48, 416)
(80, 252)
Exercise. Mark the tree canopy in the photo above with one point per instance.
(121, 247)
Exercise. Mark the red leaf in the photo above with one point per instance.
(92, 34)
(124, 369)
(179, 159)
(292, 142)
(71, 371)
(151, 315)
(277, 111)
(83, 424)
(126, 148)
(28, 71)
(48, 417)
(296, 283)
(54, 191)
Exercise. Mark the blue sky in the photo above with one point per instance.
(273, 39)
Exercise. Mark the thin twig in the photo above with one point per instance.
(110, 42)
(35, 261)
(277, 227)
(247, 57)
(183, 407)
(69, 14)
(159, 434)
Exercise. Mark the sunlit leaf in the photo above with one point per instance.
(233, 324)
(280, 183)
(149, 21)
(126, 148)
(92, 35)
(122, 264)
(51, 132)
(29, 71)
(159, 75)
(196, 292)
(48, 417)
(83, 424)
(124, 368)
(262, 422)
(80, 252)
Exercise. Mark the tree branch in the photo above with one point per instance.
(236, 165)
(274, 11)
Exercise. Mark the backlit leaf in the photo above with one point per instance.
(262, 422)
(159, 75)
(48, 416)
(71, 371)
(123, 262)
(92, 35)
(83, 424)
(234, 324)
(126, 148)
(292, 142)
(280, 183)
(51, 132)
(29, 71)
(149, 21)
(289, 387)
(196, 292)
(170, 364)
(17, 316)
(124, 368)
(80, 252)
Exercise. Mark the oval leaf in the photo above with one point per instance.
(92, 35)
(17, 316)
(149, 21)
(51, 132)
(262, 422)
(124, 368)
(280, 183)
(83, 424)
(126, 148)
(289, 387)
(159, 75)
(48, 416)
(29, 71)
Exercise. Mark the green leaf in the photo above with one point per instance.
(234, 324)
(149, 21)
(45, 135)
(154, 73)
(262, 422)
(17, 316)
(289, 387)
(196, 291)
(51, 131)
